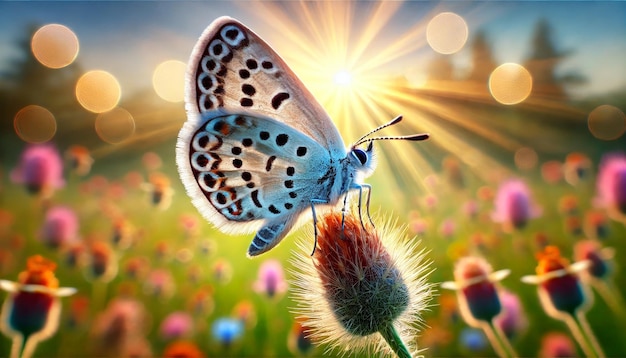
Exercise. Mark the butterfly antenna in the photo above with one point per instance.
(414, 137)
(390, 123)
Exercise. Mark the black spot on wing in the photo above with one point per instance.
(248, 89)
(281, 139)
(255, 199)
(268, 165)
(278, 99)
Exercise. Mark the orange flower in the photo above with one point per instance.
(31, 311)
(560, 289)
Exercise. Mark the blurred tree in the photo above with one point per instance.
(29, 82)
(440, 72)
(482, 60)
(543, 62)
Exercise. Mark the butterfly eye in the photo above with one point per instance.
(360, 155)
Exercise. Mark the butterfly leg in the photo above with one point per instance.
(316, 201)
(360, 187)
(367, 202)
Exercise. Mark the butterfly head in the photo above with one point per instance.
(363, 159)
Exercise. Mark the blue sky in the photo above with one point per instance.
(129, 39)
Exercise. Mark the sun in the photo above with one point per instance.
(342, 78)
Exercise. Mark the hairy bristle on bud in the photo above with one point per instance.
(360, 283)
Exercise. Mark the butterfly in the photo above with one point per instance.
(257, 150)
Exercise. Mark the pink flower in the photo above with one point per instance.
(60, 227)
(119, 326)
(271, 279)
(176, 325)
(160, 283)
(513, 319)
(40, 170)
(556, 344)
(611, 185)
(599, 258)
(513, 205)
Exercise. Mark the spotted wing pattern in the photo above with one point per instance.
(243, 174)
(232, 68)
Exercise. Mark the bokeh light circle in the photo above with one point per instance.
(607, 122)
(115, 126)
(98, 91)
(525, 158)
(447, 33)
(34, 124)
(510, 83)
(168, 80)
(54, 46)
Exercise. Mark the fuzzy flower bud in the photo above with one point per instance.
(362, 287)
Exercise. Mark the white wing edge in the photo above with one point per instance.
(193, 122)
(198, 199)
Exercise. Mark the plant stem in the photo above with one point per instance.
(493, 339)
(390, 335)
(591, 338)
(579, 336)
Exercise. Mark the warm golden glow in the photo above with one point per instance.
(168, 80)
(607, 122)
(98, 91)
(318, 40)
(510, 83)
(34, 124)
(447, 33)
(115, 126)
(343, 78)
(55, 46)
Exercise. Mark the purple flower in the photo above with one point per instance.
(513, 205)
(477, 290)
(60, 227)
(512, 320)
(176, 325)
(40, 170)
(611, 185)
(271, 279)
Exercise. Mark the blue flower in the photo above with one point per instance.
(227, 330)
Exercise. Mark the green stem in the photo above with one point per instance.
(588, 333)
(582, 340)
(489, 330)
(390, 335)
(503, 340)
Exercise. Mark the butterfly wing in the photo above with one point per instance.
(233, 68)
(244, 171)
